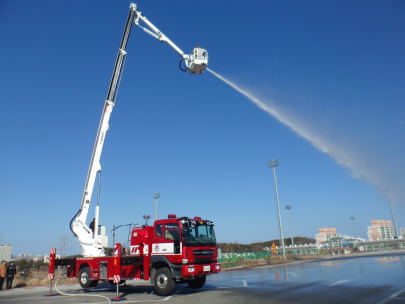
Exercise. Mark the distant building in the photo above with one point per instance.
(5, 252)
(381, 230)
(329, 238)
(38, 258)
(26, 256)
(402, 230)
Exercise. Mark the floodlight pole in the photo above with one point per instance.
(288, 207)
(354, 226)
(273, 164)
(156, 196)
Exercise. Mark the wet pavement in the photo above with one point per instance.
(371, 279)
(379, 279)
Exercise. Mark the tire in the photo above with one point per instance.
(85, 277)
(197, 282)
(164, 283)
(93, 283)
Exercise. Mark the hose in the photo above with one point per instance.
(77, 295)
(72, 221)
(180, 65)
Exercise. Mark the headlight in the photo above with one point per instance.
(191, 269)
(185, 261)
(218, 267)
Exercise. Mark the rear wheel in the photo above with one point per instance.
(85, 277)
(164, 283)
(93, 283)
(197, 282)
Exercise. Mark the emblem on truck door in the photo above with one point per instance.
(157, 248)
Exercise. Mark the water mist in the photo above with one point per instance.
(341, 154)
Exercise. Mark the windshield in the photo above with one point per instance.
(201, 235)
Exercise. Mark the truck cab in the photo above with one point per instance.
(178, 250)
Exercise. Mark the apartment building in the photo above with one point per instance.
(381, 230)
(5, 252)
(328, 237)
(402, 230)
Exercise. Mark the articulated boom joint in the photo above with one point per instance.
(195, 63)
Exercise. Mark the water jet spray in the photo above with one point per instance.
(343, 156)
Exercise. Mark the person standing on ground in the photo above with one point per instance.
(3, 270)
(11, 271)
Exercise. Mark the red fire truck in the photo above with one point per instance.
(174, 250)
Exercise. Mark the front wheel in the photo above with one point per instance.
(164, 283)
(85, 277)
(197, 282)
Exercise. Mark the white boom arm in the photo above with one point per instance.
(195, 64)
(89, 241)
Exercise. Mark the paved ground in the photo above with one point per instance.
(376, 279)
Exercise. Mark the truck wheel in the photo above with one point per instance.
(164, 283)
(93, 283)
(197, 282)
(85, 277)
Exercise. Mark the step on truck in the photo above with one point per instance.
(172, 251)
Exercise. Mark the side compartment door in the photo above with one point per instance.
(103, 270)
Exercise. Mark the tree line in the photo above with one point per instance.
(24, 264)
(254, 247)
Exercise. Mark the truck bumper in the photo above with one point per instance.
(199, 269)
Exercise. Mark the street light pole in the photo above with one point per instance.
(273, 164)
(354, 226)
(156, 196)
(288, 207)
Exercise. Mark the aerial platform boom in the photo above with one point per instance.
(89, 240)
(195, 64)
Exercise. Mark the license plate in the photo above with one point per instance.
(207, 268)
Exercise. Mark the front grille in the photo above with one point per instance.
(203, 252)
(203, 260)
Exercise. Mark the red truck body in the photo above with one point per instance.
(174, 250)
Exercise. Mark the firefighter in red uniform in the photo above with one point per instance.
(3, 270)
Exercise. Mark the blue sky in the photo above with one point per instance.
(335, 69)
